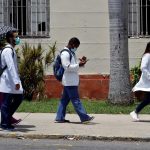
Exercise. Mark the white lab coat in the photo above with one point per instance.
(10, 76)
(144, 82)
(70, 76)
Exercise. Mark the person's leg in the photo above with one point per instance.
(144, 103)
(5, 110)
(1, 98)
(16, 101)
(61, 112)
(74, 96)
(13, 120)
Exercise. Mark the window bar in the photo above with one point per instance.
(3, 12)
(129, 19)
(146, 20)
(36, 13)
(41, 11)
(31, 18)
(22, 17)
(12, 16)
(26, 17)
(137, 12)
(17, 13)
(142, 17)
(45, 17)
(132, 18)
(7, 13)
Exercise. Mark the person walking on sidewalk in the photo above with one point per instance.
(10, 84)
(14, 121)
(143, 84)
(70, 82)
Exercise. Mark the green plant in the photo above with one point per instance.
(31, 69)
(50, 55)
(135, 74)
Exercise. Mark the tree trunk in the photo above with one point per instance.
(119, 86)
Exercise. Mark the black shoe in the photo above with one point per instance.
(62, 121)
(8, 127)
(87, 121)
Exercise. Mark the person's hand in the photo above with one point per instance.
(83, 61)
(84, 58)
(17, 86)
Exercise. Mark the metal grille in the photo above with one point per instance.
(30, 17)
(139, 18)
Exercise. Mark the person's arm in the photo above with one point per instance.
(8, 57)
(65, 58)
(144, 66)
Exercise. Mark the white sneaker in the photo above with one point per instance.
(134, 116)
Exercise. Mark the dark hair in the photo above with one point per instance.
(74, 40)
(147, 50)
(9, 35)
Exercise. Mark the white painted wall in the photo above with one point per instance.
(136, 50)
(89, 21)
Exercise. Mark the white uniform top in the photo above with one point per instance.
(144, 82)
(10, 76)
(70, 76)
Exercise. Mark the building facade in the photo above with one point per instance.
(47, 21)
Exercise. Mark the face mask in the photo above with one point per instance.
(73, 49)
(17, 41)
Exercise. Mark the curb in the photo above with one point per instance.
(71, 137)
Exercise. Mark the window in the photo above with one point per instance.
(139, 18)
(30, 17)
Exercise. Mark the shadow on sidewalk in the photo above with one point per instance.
(24, 128)
(90, 123)
(148, 121)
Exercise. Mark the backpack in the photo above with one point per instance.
(3, 69)
(58, 69)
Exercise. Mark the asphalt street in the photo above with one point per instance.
(44, 144)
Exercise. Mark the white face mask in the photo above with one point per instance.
(73, 49)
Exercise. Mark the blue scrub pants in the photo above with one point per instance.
(71, 93)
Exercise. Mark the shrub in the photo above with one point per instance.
(135, 74)
(31, 68)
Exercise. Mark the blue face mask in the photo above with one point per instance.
(73, 49)
(17, 41)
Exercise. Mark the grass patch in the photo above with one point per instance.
(91, 106)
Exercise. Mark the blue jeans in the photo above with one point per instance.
(10, 103)
(71, 93)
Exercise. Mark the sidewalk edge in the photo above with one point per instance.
(72, 137)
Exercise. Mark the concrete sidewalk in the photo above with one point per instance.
(103, 127)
